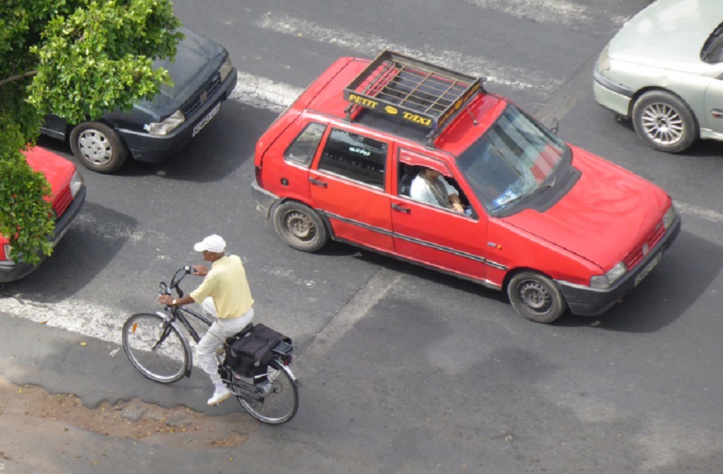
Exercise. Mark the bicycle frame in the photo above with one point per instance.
(177, 314)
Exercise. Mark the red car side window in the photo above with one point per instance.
(303, 148)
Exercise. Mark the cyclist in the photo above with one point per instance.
(225, 295)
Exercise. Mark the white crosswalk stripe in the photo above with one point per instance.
(706, 214)
(71, 314)
(545, 11)
(264, 93)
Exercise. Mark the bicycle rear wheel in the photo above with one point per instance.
(282, 401)
(156, 347)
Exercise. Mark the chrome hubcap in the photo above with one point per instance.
(94, 147)
(662, 124)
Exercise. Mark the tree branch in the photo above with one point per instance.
(17, 77)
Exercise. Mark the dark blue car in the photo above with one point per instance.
(203, 77)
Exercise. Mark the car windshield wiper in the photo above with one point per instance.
(550, 183)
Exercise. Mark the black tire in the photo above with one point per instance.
(98, 147)
(300, 226)
(536, 297)
(664, 122)
(281, 403)
(164, 362)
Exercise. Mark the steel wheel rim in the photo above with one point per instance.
(535, 296)
(300, 226)
(95, 147)
(662, 124)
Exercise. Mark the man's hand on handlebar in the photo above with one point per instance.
(171, 301)
(199, 270)
(165, 299)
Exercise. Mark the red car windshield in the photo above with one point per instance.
(516, 157)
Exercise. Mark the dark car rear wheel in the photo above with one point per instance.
(98, 147)
(664, 122)
(536, 297)
(300, 226)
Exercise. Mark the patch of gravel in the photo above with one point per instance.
(132, 419)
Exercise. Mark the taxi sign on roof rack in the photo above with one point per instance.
(415, 91)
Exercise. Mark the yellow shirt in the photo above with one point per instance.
(226, 283)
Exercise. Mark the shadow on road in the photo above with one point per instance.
(685, 273)
(89, 245)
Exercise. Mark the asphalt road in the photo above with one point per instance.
(404, 370)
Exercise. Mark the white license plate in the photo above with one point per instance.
(649, 268)
(204, 121)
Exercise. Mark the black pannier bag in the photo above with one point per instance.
(248, 353)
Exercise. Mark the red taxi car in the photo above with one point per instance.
(67, 198)
(552, 225)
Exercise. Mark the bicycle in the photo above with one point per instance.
(158, 348)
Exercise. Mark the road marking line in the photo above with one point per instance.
(264, 93)
(74, 315)
(545, 11)
(476, 66)
(374, 290)
(706, 214)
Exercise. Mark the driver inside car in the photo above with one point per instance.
(430, 187)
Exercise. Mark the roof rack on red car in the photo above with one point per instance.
(415, 91)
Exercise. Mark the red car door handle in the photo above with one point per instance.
(402, 209)
(317, 182)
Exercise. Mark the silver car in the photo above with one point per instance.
(664, 69)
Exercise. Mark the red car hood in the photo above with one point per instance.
(57, 170)
(607, 213)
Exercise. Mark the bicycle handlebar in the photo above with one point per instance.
(164, 289)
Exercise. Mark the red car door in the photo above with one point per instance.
(432, 235)
(349, 182)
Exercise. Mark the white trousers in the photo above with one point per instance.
(217, 334)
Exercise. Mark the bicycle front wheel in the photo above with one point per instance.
(156, 347)
(282, 401)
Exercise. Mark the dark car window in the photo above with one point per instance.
(712, 51)
(303, 149)
(356, 157)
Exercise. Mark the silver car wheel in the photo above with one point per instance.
(664, 121)
(98, 147)
(663, 124)
(95, 147)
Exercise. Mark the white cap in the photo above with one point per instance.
(213, 243)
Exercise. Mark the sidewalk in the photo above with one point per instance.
(68, 406)
(73, 404)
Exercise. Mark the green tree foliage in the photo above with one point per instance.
(75, 59)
